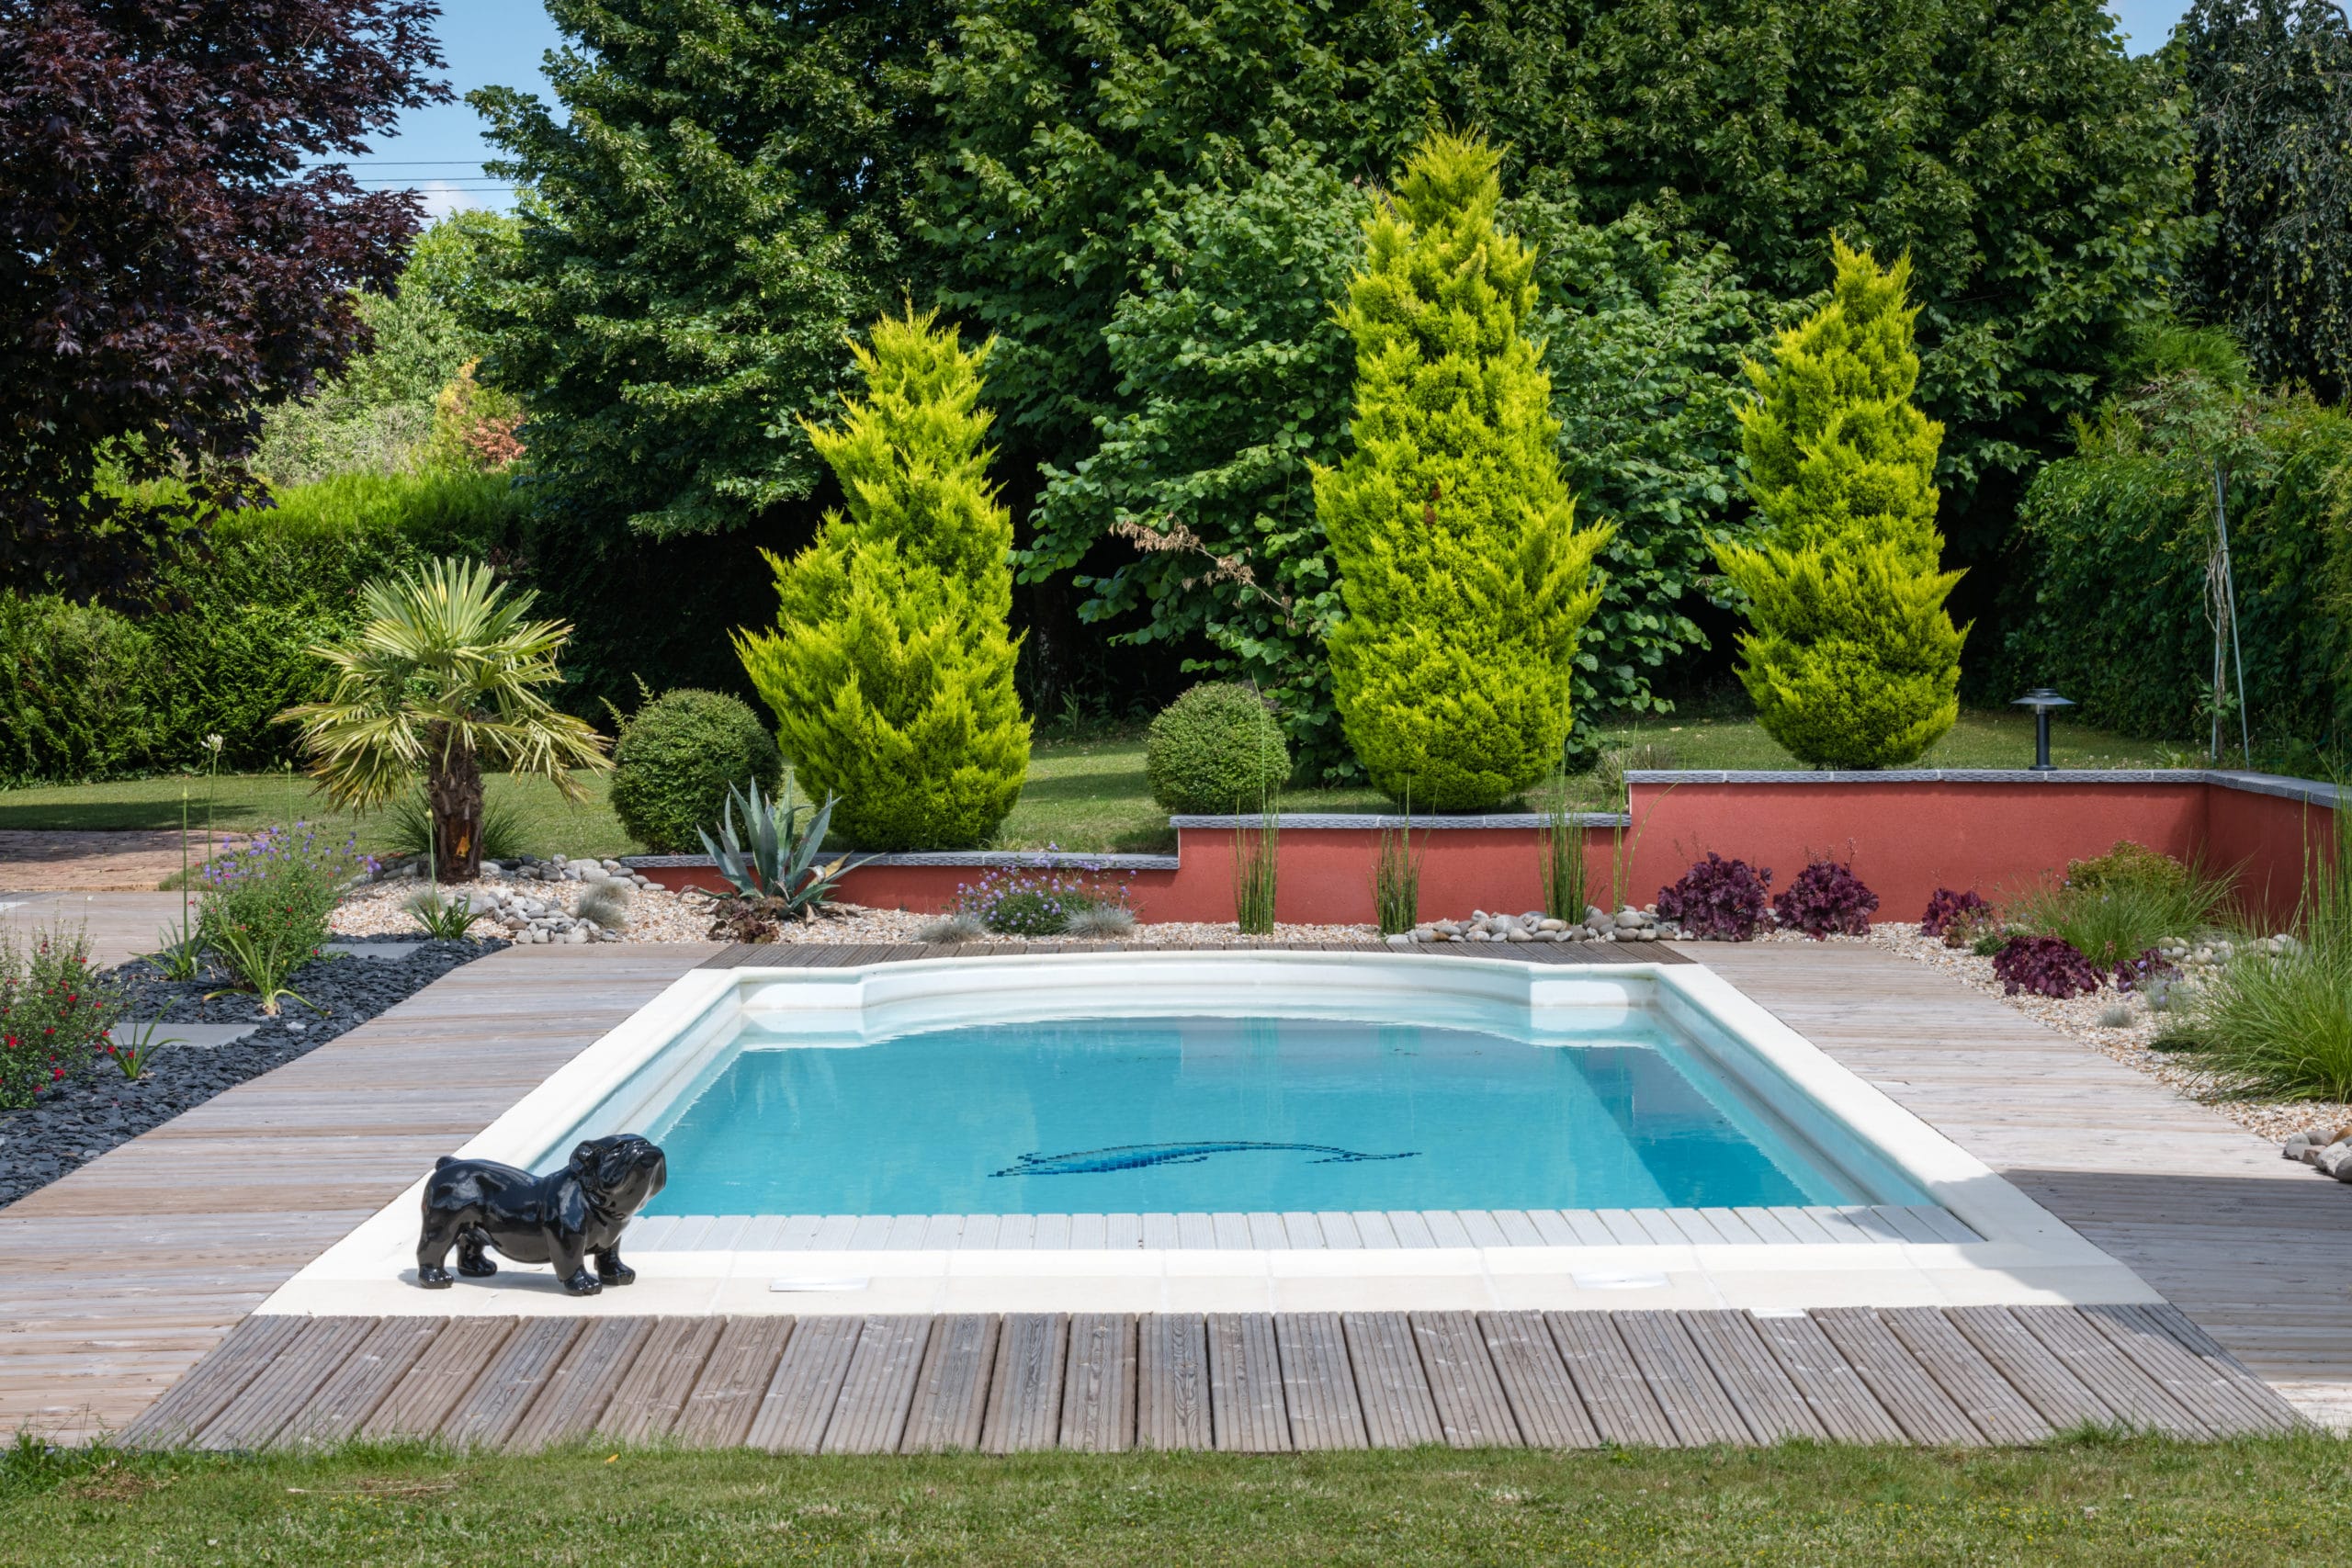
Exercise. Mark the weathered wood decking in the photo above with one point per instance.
(1249, 1382)
(116, 1280)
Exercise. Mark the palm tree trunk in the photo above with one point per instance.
(453, 789)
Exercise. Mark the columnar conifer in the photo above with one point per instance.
(890, 667)
(1852, 660)
(1463, 575)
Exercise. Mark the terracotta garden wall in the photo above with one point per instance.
(1906, 834)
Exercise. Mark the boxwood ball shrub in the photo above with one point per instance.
(1217, 748)
(676, 759)
(1718, 899)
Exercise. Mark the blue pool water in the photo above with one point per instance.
(1173, 1114)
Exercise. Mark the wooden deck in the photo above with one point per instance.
(118, 1280)
(1248, 1382)
(2257, 1250)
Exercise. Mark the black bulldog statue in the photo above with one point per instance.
(565, 1218)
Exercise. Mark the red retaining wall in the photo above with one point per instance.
(1905, 834)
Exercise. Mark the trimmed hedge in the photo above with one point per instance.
(676, 759)
(1216, 749)
(75, 701)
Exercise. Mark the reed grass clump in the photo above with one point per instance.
(1561, 868)
(1396, 879)
(1254, 854)
(2115, 909)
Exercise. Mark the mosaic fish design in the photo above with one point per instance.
(1136, 1156)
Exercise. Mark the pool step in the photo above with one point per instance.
(1850, 1225)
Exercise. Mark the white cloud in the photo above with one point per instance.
(442, 199)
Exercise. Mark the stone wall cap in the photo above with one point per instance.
(2278, 785)
(976, 859)
(1294, 821)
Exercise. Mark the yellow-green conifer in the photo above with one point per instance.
(1463, 575)
(890, 666)
(1852, 659)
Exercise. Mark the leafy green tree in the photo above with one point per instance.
(2029, 167)
(1645, 339)
(1465, 577)
(1239, 378)
(1853, 661)
(724, 194)
(2270, 83)
(890, 667)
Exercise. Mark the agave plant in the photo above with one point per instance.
(772, 862)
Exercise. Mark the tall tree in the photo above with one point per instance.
(1464, 574)
(724, 196)
(1853, 661)
(2029, 167)
(177, 255)
(2271, 87)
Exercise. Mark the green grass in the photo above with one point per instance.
(2143, 1502)
(1082, 794)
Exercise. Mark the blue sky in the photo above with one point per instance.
(439, 150)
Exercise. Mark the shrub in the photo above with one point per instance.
(606, 903)
(276, 893)
(1216, 749)
(75, 698)
(1851, 659)
(506, 827)
(55, 1009)
(676, 759)
(1718, 899)
(1035, 901)
(2121, 913)
(2045, 966)
(1464, 578)
(1826, 897)
(1948, 912)
(2128, 865)
(890, 667)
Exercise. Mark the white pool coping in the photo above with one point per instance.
(2025, 1256)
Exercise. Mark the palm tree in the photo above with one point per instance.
(442, 675)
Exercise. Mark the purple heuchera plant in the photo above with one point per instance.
(1826, 897)
(1946, 908)
(1718, 899)
(2045, 966)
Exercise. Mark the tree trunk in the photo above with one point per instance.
(453, 790)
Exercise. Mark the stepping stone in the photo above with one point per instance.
(204, 1036)
(364, 949)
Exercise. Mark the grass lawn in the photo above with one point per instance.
(1081, 794)
(2143, 1502)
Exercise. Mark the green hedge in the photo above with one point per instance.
(96, 695)
(2117, 537)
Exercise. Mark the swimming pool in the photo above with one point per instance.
(1226, 1083)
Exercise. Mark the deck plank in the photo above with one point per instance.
(208, 1387)
(870, 1412)
(647, 1403)
(420, 1403)
(1099, 1385)
(727, 1392)
(1399, 1412)
(1544, 1400)
(582, 1384)
(1695, 1403)
(496, 1403)
(351, 1395)
(1610, 1380)
(1318, 1385)
(285, 1386)
(951, 1396)
(2042, 1377)
(1990, 1400)
(1172, 1381)
(798, 1400)
(1768, 1399)
(1839, 1398)
(1917, 1400)
(2136, 1398)
(1246, 1411)
(1025, 1399)
(2197, 1383)
(1471, 1408)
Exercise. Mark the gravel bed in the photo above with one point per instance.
(81, 1118)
